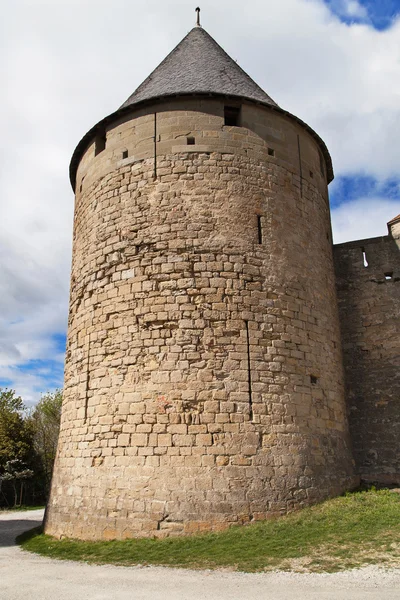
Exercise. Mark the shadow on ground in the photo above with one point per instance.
(11, 528)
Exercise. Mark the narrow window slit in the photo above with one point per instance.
(271, 152)
(155, 146)
(389, 275)
(81, 186)
(232, 116)
(190, 141)
(365, 261)
(87, 383)
(125, 154)
(249, 371)
(313, 379)
(100, 143)
(259, 229)
(311, 175)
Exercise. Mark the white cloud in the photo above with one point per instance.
(363, 218)
(67, 64)
(343, 80)
(355, 9)
(350, 8)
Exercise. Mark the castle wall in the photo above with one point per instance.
(203, 382)
(368, 280)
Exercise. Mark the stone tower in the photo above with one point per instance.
(204, 381)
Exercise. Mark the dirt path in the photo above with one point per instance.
(24, 575)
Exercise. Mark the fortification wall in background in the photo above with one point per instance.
(368, 284)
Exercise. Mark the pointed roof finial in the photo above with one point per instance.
(198, 17)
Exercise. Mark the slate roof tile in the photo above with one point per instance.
(198, 64)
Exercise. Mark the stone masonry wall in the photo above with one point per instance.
(203, 382)
(368, 283)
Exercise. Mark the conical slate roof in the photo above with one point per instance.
(198, 65)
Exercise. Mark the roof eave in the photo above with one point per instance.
(394, 220)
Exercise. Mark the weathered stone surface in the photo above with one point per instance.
(368, 282)
(204, 381)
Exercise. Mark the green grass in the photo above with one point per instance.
(21, 508)
(346, 532)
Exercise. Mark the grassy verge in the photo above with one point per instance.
(357, 529)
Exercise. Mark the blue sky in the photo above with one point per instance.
(333, 63)
(380, 13)
(351, 187)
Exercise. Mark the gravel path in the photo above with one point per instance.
(24, 575)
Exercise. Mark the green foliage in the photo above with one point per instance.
(16, 448)
(45, 425)
(16, 472)
(346, 532)
(15, 435)
(28, 444)
(9, 402)
(15, 469)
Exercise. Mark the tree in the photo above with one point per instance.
(45, 424)
(16, 472)
(28, 444)
(16, 445)
(15, 437)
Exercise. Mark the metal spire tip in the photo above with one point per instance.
(198, 17)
